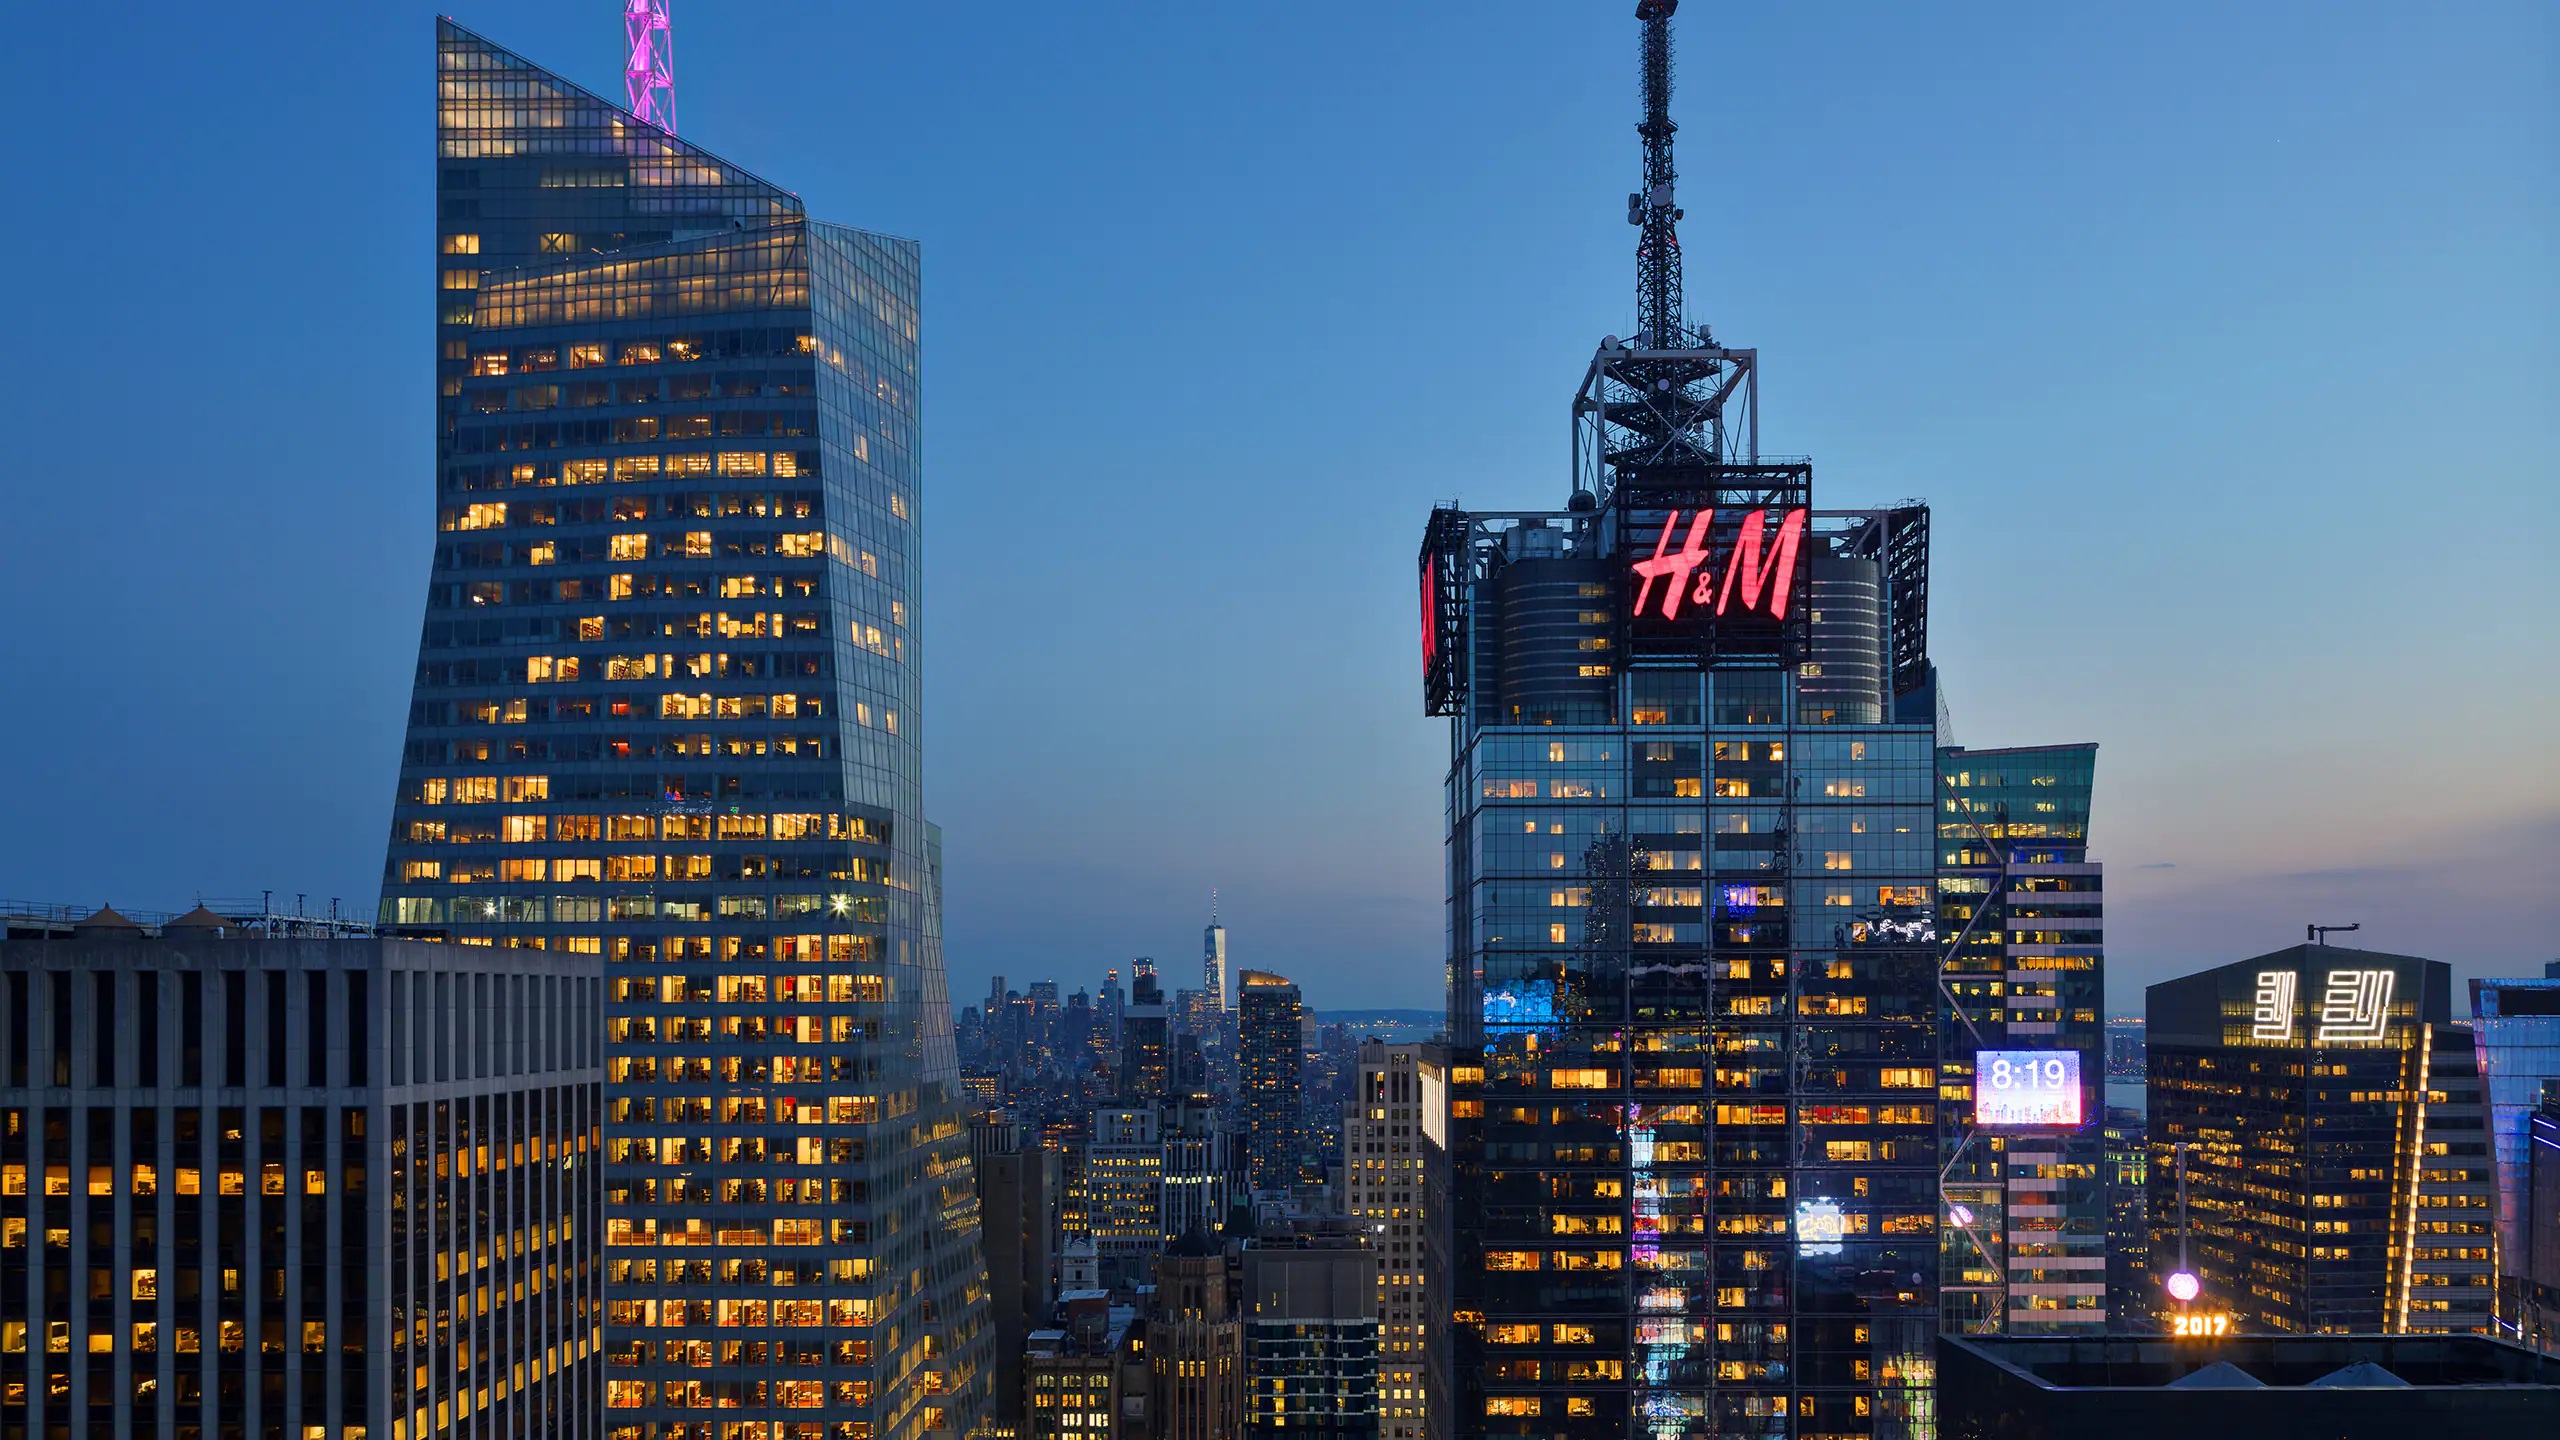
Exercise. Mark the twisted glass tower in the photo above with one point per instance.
(666, 710)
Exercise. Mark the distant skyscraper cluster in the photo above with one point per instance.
(1230, 1258)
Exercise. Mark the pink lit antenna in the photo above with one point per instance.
(649, 64)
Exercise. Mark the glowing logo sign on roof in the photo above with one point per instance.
(2356, 1006)
(2271, 1013)
(1760, 575)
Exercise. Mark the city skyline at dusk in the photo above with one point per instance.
(2213, 342)
(1157, 722)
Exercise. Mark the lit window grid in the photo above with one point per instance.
(1384, 1185)
(490, 1244)
(1897, 782)
(2032, 975)
(858, 291)
(2325, 1254)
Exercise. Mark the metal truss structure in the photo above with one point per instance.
(1669, 401)
(1898, 537)
(649, 62)
(1448, 580)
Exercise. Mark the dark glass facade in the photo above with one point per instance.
(2516, 1027)
(1270, 1048)
(2337, 1158)
(1693, 1093)
(666, 712)
(2023, 906)
(2132, 1308)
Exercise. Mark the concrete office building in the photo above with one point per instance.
(1311, 1333)
(1383, 1159)
(1072, 1374)
(327, 1186)
(1124, 1193)
(2132, 1291)
(1195, 1344)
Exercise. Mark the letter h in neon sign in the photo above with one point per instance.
(1760, 572)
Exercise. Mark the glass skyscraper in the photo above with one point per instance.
(667, 711)
(2516, 1027)
(1693, 1086)
(2017, 887)
(1694, 1090)
(2337, 1161)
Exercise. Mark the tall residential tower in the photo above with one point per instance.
(667, 710)
(1271, 1070)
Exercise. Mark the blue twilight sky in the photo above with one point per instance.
(2221, 337)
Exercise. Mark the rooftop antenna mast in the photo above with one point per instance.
(1669, 405)
(1658, 301)
(649, 62)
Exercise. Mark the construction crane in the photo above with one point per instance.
(649, 62)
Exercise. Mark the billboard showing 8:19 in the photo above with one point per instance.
(2026, 1087)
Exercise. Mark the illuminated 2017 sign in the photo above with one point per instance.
(2026, 1087)
(1759, 571)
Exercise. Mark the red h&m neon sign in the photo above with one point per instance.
(1759, 575)
(1430, 612)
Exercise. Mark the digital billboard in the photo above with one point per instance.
(2026, 1087)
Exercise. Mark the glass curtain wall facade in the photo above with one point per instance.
(666, 711)
(2516, 1026)
(1693, 1090)
(2338, 1174)
(2017, 887)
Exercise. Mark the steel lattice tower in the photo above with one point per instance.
(649, 63)
(1668, 409)
(1658, 251)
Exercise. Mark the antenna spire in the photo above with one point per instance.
(1658, 301)
(649, 62)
